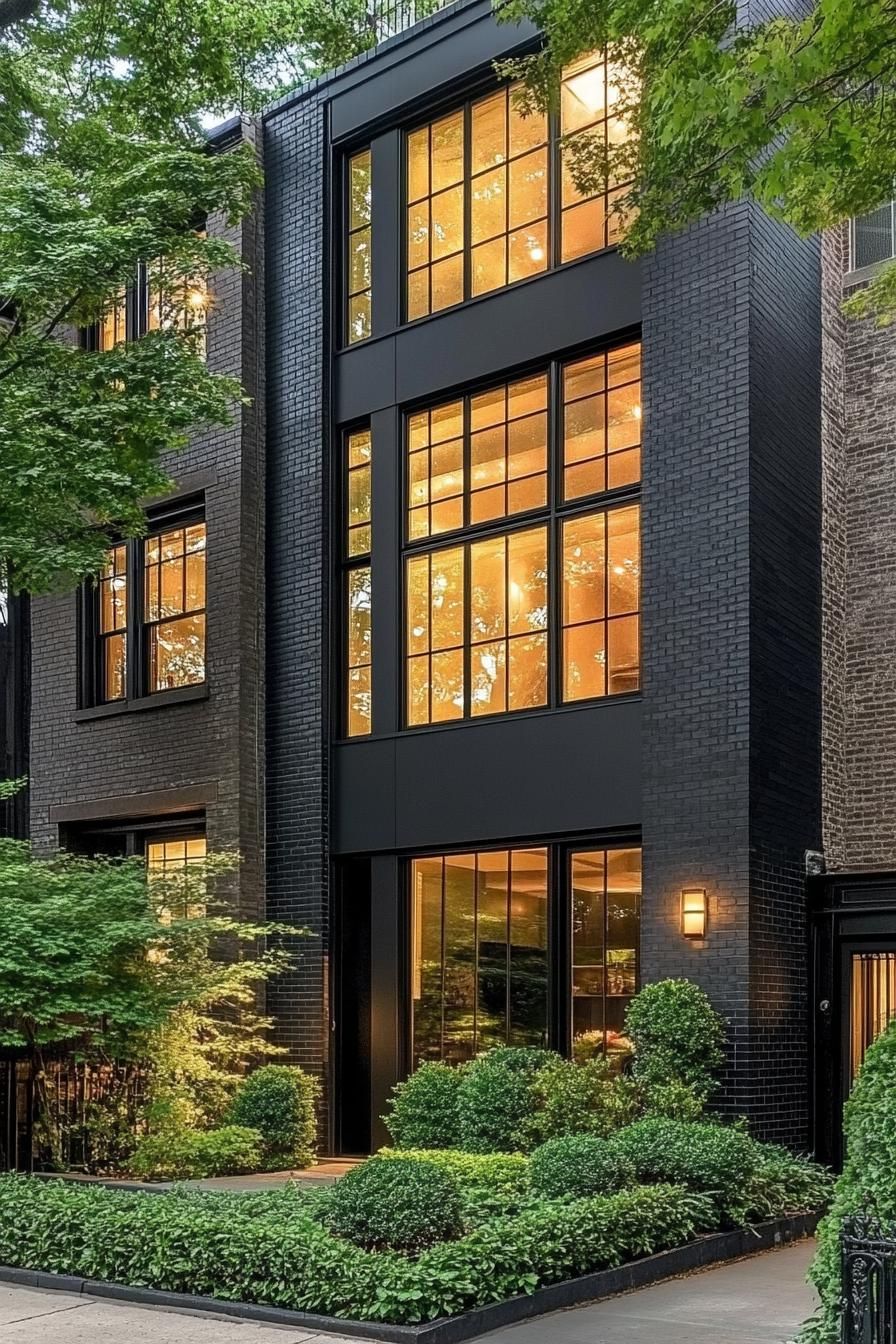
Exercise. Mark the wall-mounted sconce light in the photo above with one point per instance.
(693, 912)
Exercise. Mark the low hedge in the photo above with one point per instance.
(711, 1158)
(579, 1166)
(195, 1243)
(187, 1155)
(501, 1173)
(394, 1204)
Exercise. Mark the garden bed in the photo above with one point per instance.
(698, 1254)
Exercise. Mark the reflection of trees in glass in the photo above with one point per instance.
(606, 889)
(480, 952)
(359, 650)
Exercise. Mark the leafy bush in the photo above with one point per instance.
(529, 1059)
(716, 1159)
(675, 1100)
(491, 1184)
(278, 1101)
(496, 1100)
(396, 1204)
(783, 1183)
(677, 1036)
(424, 1110)
(577, 1167)
(207, 1244)
(868, 1182)
(587, 1098)
(186, 1155)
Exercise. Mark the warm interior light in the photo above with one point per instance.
(636, 412)
(536, 253)
(588, 88)
(693, 912)
(197, 298)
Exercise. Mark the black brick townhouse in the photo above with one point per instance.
(491, 632)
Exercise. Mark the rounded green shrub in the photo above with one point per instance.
(675, 1100)
(395, 1203)
(677, 1035)
(278, 1102)
(173, 1155)
(868, 1181)
(718, 1160)
(589, 1098)
(496, 1102)
(423, 1111)
(577, 1167)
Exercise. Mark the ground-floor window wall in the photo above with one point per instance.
(532, 945)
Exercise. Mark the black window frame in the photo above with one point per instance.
(552, 515)
(559, 949)
(348, 564)
(186, 511)
(130, 836)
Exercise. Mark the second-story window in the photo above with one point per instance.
(873, 236)
(357, 592)
(522, 543)
(144, 618)
(479, 191)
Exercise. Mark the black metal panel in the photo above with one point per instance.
(539, 774)
(585, 302)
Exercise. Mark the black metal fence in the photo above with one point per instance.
(388, 17)
(869, 1281)
(86, 1115)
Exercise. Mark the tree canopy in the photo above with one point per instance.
(798, 111)
(104, 166)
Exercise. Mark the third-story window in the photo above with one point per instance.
(541, 561)
(357, 582)
(174, 606)
(479, 191)
(358, 238)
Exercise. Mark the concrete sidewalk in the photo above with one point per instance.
(762, 1300)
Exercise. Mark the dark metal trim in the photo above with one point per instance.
(184, 799)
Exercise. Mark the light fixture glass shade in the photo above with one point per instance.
(693, 912)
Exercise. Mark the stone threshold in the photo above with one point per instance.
(710, 1250)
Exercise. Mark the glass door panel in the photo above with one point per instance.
(605, 896)
(872, 1002)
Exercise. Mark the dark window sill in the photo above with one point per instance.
(161, 700)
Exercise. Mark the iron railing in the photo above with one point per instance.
(388, 17)
(868, 1257)
(86, 1115)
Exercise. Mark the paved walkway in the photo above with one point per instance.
(322, 1173)
(762, 1300)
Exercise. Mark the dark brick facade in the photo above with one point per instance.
(213, 745)
(731, 636)
(859, 443)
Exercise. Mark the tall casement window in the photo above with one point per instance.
(522, 542)
(154, 300)
(356, 582)
(605, 893)
(481, 949)
(358, 257)
(482, 207)
(144, 619)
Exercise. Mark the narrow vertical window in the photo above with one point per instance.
(174, 606)
(508, 193)
(601, 600)
(606, 913)
(589, 93)
(358, 269)
(357, 590)
(436, 198)
(113, 324)
(112, 623)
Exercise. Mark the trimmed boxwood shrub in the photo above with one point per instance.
(278, 1101)
(717, 1159)
(587, 1098)
(868, 1181)
(677, 1036)
(193, 1155)
(577, 1167)
(196, 1243)
(496, 1102)
(502, 1173)
(396, 1204)
(423, 1111)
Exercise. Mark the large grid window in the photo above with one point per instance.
(480, 952)
(174, 606)
(479, 189)
(480, 949)
(143, 619)
(358, 260)
(522, 613)
(356, 583)
(112, 625)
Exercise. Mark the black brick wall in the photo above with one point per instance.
(217, 741)
(298, 655)
(731, 631)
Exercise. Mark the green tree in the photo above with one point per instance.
(104, 165)
(798, 112)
